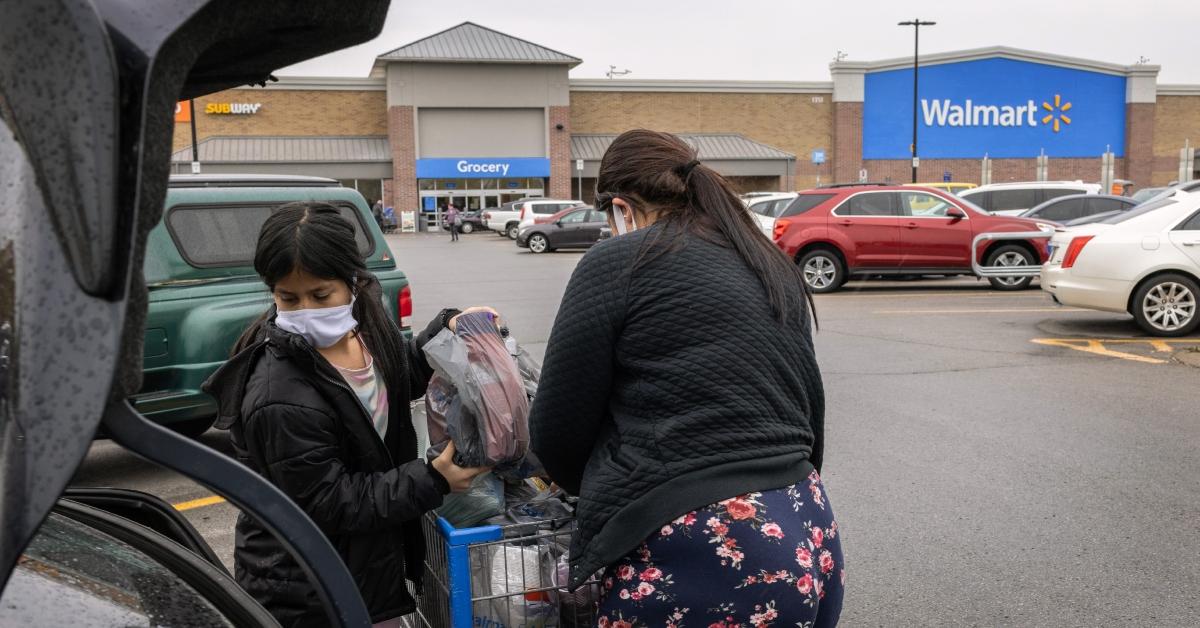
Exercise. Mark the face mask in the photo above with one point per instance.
(619, 220)
(322, 327)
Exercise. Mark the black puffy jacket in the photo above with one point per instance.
(294, 420)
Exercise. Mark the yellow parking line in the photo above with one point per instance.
(983, 311)
(1097, 346)
(199, 503)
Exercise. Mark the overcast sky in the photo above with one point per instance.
(794, 40)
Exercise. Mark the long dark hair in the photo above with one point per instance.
(315, 238)
(659, 172)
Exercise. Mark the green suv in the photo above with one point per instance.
(203, 289)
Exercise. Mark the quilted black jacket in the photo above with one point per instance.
(293, 419)
(668, 389)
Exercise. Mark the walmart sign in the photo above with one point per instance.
(999, 107)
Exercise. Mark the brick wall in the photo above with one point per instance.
(796, 123)
(970, 170)
(290, 112)
(561, 168)
(1139, 144)
(1176, 119)
(847, 142)
(387, 194)
(404, 158)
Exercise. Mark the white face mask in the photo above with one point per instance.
(322, 327)
(619, 220)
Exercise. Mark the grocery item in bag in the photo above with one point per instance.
(516, 572)
(477, 397)
(485, 499)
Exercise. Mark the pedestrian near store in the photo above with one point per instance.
(452, 221)
(316, 400)
(377, 211)
(681, 401)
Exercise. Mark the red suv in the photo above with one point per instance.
(836, 233)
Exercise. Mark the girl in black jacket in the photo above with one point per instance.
(316, 399)
(681, 400)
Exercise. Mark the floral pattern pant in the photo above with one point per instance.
(763, 559)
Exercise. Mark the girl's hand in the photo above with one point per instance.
(472, 310)
(458, 477)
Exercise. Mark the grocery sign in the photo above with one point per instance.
(999, 107)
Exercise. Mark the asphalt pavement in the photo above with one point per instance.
(993, 460)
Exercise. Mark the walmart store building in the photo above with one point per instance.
(481, 117)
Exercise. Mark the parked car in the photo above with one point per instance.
(1146, 194)
(834, 234)
(199, 270)
(468, 221)
(950, 187)
(1013, 199)
(1064, 209)
(506, 220)
(765, 209)
(85, 182)
(1145, 262)
(575, 228)
(545, 208)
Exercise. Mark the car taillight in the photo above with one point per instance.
(523, 210)
(1074, 249)
(781, 227)
(404, 304)
(487, 215)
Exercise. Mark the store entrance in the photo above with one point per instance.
(472, 194)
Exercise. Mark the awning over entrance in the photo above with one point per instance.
(730, 154)
(364, 157)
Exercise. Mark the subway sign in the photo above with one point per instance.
(232, 108)
(482, 168)
(999, 107)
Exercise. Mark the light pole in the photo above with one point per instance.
(916, 24)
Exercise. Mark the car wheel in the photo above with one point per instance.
(467, 227)
(823, 270)
(538, 243)
(1166, 305)
(1010, 255)
(513, 230)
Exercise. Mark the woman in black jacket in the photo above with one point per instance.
(681, 400)
(316, 399)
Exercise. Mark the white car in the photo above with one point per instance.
(1013, 199)
(530, 211)
(765, 208)
(1145, 262)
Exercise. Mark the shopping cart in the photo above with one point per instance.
(509, 576)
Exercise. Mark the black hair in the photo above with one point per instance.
(316, 238)
(660, 172)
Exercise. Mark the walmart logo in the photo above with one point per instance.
(948, 113)
(1058, 112)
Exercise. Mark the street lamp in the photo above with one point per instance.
(916, 24)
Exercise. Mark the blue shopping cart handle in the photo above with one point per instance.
(467, 536)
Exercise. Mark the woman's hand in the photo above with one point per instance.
(458, 477)
(452, 324)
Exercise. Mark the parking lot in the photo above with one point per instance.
(993, 459)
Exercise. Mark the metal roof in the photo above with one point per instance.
(268, 149)
(709, 147)
(471, 43)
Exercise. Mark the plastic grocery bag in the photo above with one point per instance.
(516, 572)
(477, 397)
(485, 499)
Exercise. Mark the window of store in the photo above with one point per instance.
(371, 189)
